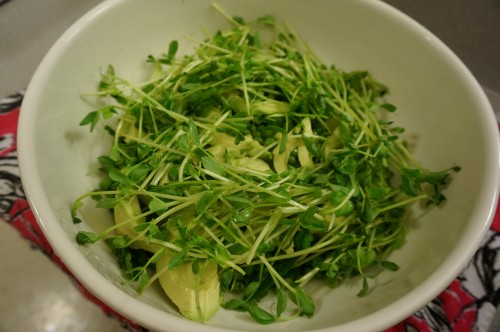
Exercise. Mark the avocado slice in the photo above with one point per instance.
(195, 295)
(127, 209)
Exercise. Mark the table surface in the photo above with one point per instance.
(28, 28)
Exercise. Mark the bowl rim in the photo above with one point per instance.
(124, 304)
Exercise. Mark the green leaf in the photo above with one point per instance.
(116, 242)
(107, 202)
(364, 288)
(177, 259)
(308, 214)
(282, 299)
(243, 216)
(157, 205)
(362, 257)
(436, 178)
(284, 196)
(74, 209)
(141, 227)
(267, 20)
(378, 192)
(305, 302)
(266, 246)
(183, 143)
(153, 231)
(311, 146)
(193, 132)
(337, 196)
(347, 208)
(222, 255)
(107, 162)
(118, 176)
(107, 112)
(190, 87)
(391, 266)
(260, 315)
(143, 280)
(84, 237)
(332, 270)
(238, 201)
(204, 202)
(303, 239)
(366, 257)
(239, 19)
(235, 304)
(200, 242)
(314, 225)
(91, 119)
(307, 220)
(195, 267)
(254, 40)
(114, 154)
(139, 173)
(210, 164)
(226, 278)
(238, 136)
(398, 130)
(250, 290)
(348, 166)
(389, 107)
(283, 141)
(410, 181)
(172, 50)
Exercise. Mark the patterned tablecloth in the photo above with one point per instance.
(468, 304)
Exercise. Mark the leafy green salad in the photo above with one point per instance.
(248, 169)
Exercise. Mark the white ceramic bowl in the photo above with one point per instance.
(440, 103)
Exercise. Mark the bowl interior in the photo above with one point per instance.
(447, 117)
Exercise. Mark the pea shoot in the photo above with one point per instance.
(248, 169)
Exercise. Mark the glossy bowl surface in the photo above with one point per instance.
(441, 105)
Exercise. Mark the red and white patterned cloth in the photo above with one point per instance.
(468, 304)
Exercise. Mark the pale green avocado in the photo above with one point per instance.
(124, 212)
(195, 295)
(280, 158)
